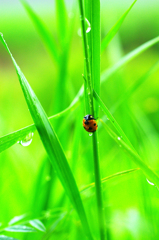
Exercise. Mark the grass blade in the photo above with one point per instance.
(115, 29)
(127, 58)
(52, 145)
(12, 138)
(103, 180)
(112, 119)
(61, 21)
(43, 31)
(95, 69)
(124, 141)
(127, 94)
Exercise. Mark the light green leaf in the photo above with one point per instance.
(3, 237)
(19, 228)
(38, 225)
(52, 145)
(17, 219)
(114, 29)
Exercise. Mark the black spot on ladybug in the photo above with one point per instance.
(94, 124)
(90, 128)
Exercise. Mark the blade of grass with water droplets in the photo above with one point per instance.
(52, 145)
(43, 32)
(12, 138)
(114, 29)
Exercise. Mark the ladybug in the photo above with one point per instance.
(89, 123)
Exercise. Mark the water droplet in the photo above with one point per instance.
(90, 134)
(151, 183)
(27, 140)
(89, 26)
(119, 138)
(87, 30)
(1, 34)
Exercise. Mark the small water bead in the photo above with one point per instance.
(119, 138)
(89, 25)
(27, 140)
(90, 134)
(87, 30)
(151, 183)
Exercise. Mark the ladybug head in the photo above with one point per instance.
(88, 117)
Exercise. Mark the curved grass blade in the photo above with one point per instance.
(103, 180)
(124, 141)
(43, 31)
(52, 145)
(114, 29)
(127, 58)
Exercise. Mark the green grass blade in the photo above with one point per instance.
(45, 35)
(150, 174)
(127, 58)
(12, 138)
(103, 180)
(121, 139)
(52, 145)
(96, 39)
(115, 29)
(95, 69)
(130, 91)
(112, 119)
(61, 14)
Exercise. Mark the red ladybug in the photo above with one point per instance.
(89, 123)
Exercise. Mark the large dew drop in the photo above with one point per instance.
(27, 140)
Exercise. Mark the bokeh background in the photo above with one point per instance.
(131, 201)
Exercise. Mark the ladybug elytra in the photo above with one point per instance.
(89, 123)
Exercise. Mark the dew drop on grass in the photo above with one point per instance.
(119, 138)
(151, 183)
(87, 30)
(27, 140)
(90, 134)
(89, 25)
